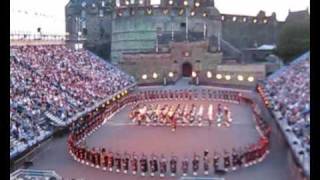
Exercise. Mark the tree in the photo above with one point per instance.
(294, 39)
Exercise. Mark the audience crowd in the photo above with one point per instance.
(59, 81)
(287, 94)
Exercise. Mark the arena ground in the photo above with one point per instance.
(120, 134)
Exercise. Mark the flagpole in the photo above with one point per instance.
(187, 24)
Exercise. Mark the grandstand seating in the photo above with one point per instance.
(55, 83)
(287, 94)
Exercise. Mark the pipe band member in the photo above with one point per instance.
(110, 160)
(216, 161)
(185, 166)
(173, 165)
(195, 163)
(163, 165)
(241, 156)
(134, 163)
(144, 164)
(153, 164)
(235, 157)
(125, 162)
(118, 162)
(226, 160)
(98, 158)
(206, 162)
(247, 155)
(105, 157)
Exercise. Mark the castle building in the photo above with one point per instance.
(158, 38)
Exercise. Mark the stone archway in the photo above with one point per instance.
(186, 69)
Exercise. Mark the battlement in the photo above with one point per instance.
(261, 18)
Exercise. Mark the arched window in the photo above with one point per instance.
(155, 2)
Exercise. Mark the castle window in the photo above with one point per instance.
(83, 24)
(83, 13)
(132, 2)
(155, 2)
(103, 3)
(265, 21)
(118, 3)
(140, 2)
(192, 13)
(222, 18)
(165, 11)
(84, 31)
(181, 11)
(101, 13)
(255, 21)
(183, 25)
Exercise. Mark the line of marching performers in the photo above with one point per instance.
(161, 165)
(189, 94)
(181, 115)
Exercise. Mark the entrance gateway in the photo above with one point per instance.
(186, 69)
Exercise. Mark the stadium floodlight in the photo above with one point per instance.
(144, 76)
(234, 18)
(194, 74)
(209, 74)
(228, 77)
(218, 76)
(240, 77)
(170, 74)
(244, 19)
(197, 4)
(155, 75)
(250, 78)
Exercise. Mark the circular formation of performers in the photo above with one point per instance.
(157, 163)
